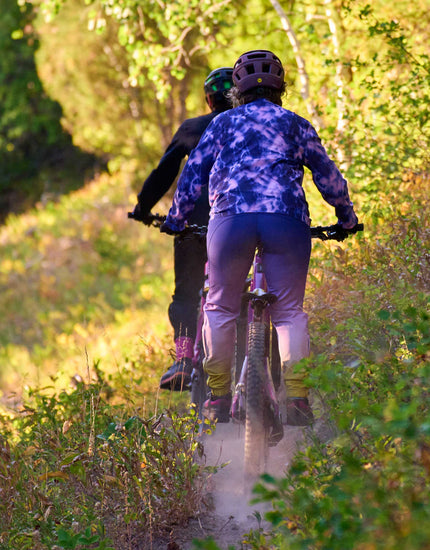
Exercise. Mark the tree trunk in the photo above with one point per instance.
(304, 78)
(340, 98)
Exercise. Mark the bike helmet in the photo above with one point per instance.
(258, 68)
(219, 80)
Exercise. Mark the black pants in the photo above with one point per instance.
(189, 261)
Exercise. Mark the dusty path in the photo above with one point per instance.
(226, 445)
(233, 515)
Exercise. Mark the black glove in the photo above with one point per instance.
(338, 233)
(164, 228)
(140, 215)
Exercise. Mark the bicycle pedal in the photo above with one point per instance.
(276, 430)
(275, 437)
(238, 413)
(238, 416)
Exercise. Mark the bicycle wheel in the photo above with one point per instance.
(256, 436)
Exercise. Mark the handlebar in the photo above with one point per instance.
(154, 220)
(157, 220)
(325, 233)
(334, 232)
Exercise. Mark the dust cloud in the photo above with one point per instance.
(231, 497)
(228, 513)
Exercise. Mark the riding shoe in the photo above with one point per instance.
(178, 377)
(299, 412)
(217, 407)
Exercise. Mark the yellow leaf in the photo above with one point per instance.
(66, 426)
(111, 479)
(29, 451)
(53, 475)
(79, 329)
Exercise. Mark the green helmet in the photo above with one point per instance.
(219, 81)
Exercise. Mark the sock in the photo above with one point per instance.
(184, 347)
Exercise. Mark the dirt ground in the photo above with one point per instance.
(232, 514)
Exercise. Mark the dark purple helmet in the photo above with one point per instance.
(258, 68)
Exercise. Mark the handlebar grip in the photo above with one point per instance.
(358, 227)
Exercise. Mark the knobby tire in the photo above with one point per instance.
(256, 444)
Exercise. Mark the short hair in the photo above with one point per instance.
(220, 101)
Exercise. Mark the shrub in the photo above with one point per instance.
(77, 471)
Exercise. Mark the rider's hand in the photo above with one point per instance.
(140, 215)
(164, 228)
(338, 233)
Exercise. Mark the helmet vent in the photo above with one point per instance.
(250, 69)
(256, 56)
(218, 81)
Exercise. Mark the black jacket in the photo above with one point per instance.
(161, 178)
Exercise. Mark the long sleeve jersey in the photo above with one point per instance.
(161, 178)
(252, 158)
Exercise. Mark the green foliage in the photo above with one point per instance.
(102, 112)
(386, 134)
(78, 471)
(32, 139)
(79, 279)
(367, 486)
(68, 539)
(161, 39)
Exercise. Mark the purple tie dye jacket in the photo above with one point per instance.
(253, 158)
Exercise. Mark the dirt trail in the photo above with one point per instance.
(226, 445)
(233, 515)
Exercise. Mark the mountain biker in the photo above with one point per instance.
(190, 254)
(253, 158)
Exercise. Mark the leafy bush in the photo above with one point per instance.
(368, 486)
(77, 471)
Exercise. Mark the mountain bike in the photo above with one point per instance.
(258, 366)
(198, 388)
(256, 371)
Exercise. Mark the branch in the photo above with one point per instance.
(304, 78)
(340, 100)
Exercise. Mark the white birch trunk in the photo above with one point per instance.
(340, 98)
(304, 78)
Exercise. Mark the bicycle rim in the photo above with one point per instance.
(256, 444)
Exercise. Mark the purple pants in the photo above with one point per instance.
(231, 243)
